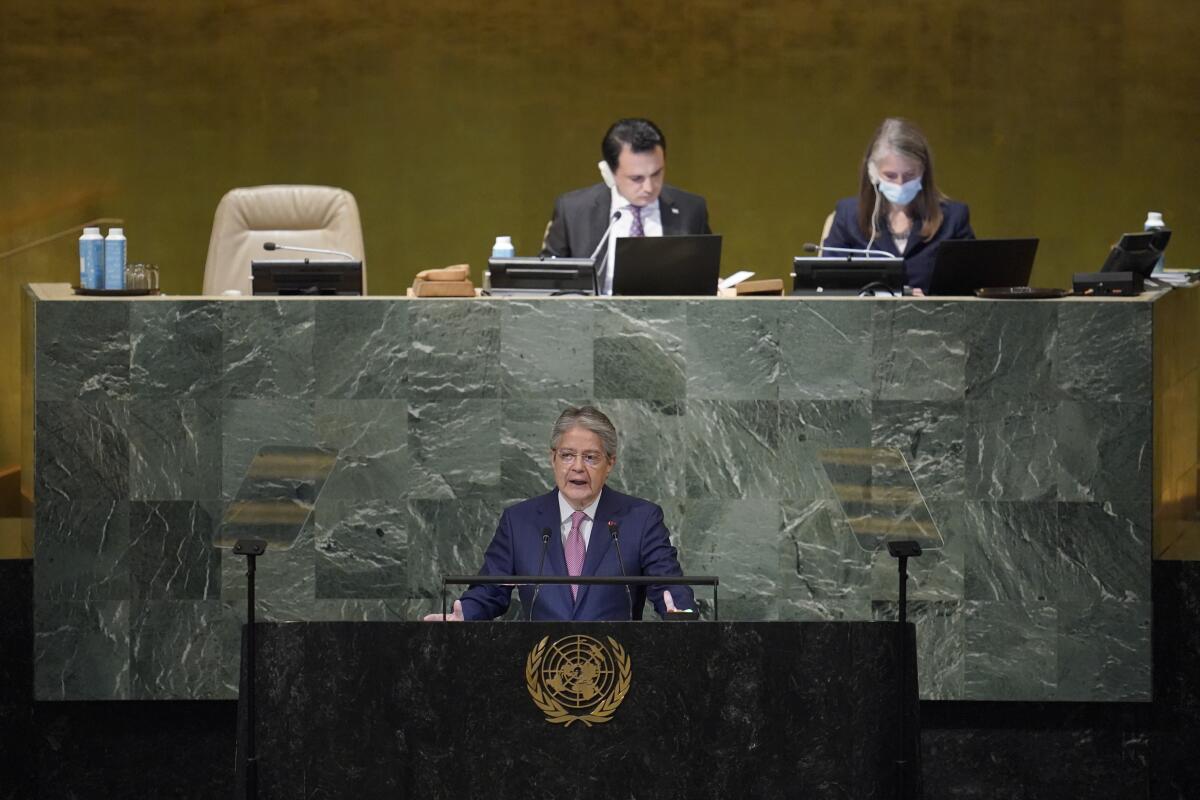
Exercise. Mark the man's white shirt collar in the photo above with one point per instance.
(565, 510)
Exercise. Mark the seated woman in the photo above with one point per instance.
(899, 208)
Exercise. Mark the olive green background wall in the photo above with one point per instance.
(456, 121)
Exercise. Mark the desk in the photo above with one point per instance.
(1028, 425)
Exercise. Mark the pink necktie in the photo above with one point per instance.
(636, 228)
(575, 549)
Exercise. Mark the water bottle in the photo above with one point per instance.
(503, 248)
(1154, 222)
(114, 259)
(91, 259)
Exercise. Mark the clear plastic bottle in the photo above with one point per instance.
(114, 259)
(91, 259)
(503, 248)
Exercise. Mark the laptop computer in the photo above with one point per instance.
(667, 265)
(963, 265)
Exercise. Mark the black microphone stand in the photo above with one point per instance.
(615, 532)
(903, 550)
(541, 561)
(251, 549)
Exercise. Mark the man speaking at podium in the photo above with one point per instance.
(633, 199)
(573, 530)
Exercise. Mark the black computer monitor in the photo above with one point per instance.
(1137, 252)
(667, 265)
(963, 265)
(283, 278)
(852, 275)
(541, 276)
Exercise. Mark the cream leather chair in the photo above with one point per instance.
(305, 216)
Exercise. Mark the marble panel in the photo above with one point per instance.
(1012, 451)
(1011, 351)
(82, 450)
(932, 437)
(371, 440)
(174, 449)
(638, 352)
(81, 550)
(448, 537)
(1010, 552)
(81, 650)
(822, 568)
(171, 556)
(732, 448)
(740, 541)
(1011, 650)
(919, 350)
(1104, 451)
(1102, 353)
(805, 428)
(185, 650)
(454, 448)
(454, 349)
(82, 355)
(1102, 649)
(267, 351)
(360, 349)
(249, 425)
(939, 573)
(826, 351)
(362, 549)
(175, 349)
(732, 350)
(1104, 552)
(546, 348)
(650, 453)
(525, 466)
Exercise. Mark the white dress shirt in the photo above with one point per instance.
(564, 513)
(651, 226)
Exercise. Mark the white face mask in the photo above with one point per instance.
(900, 193)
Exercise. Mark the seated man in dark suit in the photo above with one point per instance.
(575, 521)
(635, 157)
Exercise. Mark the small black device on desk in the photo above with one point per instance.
(542, 276)
(283, 278)
(1129, 264)
(847, 275)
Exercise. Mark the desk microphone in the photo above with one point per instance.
(273, 246)
(607, 232)
(615, 532)
(809, 247)
(538, 587)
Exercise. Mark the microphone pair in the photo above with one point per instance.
(613, 530)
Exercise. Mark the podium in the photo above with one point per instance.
(513, 709)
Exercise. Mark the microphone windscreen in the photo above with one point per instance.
(809, 247)
(268, 245)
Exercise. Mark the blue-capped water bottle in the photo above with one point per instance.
(91, 259)
(1154, 222)
(114, 259)
(503, 248)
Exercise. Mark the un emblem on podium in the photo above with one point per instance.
(577, 679)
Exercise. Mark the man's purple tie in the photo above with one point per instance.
(575, 549)
(636, 228)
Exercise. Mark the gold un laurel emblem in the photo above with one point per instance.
(577, 679)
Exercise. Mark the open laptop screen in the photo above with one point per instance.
(667, 265)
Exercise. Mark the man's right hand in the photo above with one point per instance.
(455, 616)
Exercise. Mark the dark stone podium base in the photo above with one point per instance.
(418, 710)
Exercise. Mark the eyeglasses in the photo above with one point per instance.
(590, 458)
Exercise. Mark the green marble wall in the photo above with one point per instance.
(1027, 425)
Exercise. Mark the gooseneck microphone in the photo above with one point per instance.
(607, 232)
(538, 587)
(273, 246)
(809, 247)
(615, 533)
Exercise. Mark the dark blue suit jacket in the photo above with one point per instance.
(918, 254)
(517, 545)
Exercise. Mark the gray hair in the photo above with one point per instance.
(591, 419)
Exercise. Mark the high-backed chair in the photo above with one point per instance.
(825, 232)
(304, 216)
